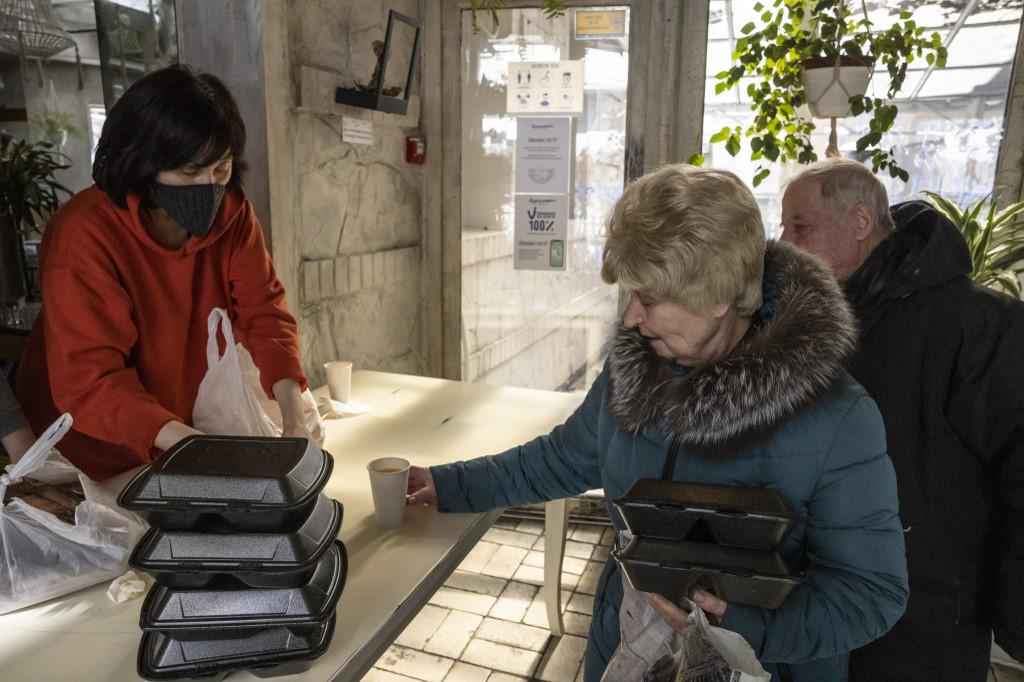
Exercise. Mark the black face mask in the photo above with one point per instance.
(193, 207)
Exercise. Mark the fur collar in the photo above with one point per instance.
(792, 354)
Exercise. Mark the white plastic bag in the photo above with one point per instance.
(711, 654)
(42, 557)
(231, 400)
(650, 650)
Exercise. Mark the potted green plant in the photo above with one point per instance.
(994, 237)
(29, 194)
(55, 127)
(820, 53)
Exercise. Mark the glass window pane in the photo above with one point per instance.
(983, 45)
(718, 26)
(719, 57)
(976, 82)
(946, 136)
(880, 81)
(985, 16)
(539, 329)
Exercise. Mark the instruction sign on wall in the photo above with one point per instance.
(543, 178)
(543, 154)
(609, 23)
(542, 223)
(545, 87)
(356, 131)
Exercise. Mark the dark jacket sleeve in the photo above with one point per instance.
(856, 586)
(986, 410)
(11, 418)
(561, 464)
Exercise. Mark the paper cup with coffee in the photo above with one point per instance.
(339, 380)
(389, 480)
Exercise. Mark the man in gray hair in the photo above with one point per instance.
(944, 359)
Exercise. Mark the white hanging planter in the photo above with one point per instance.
(829, 86)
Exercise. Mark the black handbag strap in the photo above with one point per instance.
(671, 458)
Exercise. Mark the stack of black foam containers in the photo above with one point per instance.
(724, 539)
(243, 547)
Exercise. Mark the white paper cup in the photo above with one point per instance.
(339, 380)
(389, 481)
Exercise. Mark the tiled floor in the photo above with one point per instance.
(488, 623)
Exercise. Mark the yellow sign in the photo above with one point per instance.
(600, 23)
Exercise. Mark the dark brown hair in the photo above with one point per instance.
(167, 119)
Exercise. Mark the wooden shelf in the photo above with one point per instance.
(316, 96)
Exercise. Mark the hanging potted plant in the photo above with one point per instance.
(820, 53)
(29, 194)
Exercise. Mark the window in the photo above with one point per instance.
(97, 117)
(950, 122)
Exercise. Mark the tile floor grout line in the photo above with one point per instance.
(587, 542)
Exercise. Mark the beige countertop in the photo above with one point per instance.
(392, 574)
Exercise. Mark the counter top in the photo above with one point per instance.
(86, 637)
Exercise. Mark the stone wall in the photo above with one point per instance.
(346, 217)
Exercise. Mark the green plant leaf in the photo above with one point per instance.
(869, 140)
(696, 160)
(732, 145)
(721, 136)
(760, 176)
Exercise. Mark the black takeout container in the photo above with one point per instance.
(190, 614)
(750, 518)
(673, 569)
(230, 484)
(187, 559)
(267, 652)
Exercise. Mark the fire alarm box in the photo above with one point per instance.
(415, 150)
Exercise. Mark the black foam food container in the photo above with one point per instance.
(193, 613)
(187, 559)
(750, 518)
(740, 576)
(267, 652)
(230, 484)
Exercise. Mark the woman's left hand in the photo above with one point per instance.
(677, 617)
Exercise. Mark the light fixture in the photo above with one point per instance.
(31, 29)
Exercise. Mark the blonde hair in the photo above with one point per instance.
(846, 184)
(688, 235)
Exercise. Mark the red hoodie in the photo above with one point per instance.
(121, 340)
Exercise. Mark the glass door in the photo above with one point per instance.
(541, 168)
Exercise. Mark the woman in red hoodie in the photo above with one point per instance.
(131, 269)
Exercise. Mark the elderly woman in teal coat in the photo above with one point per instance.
(730, 353)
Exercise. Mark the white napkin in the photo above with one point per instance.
(128, 586)
(335, 409)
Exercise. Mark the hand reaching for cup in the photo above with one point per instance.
(421, 487)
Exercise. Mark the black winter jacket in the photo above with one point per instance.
(944, 359)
